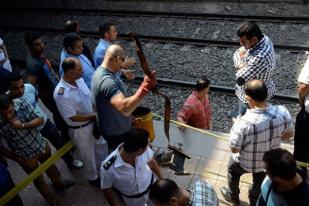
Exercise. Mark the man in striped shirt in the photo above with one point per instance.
(259, 130)
(255, 59)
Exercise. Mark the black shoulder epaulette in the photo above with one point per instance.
(61, 91)
(109, 163)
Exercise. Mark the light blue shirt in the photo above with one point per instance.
(88, 69)
(30, 96)
(99, 52)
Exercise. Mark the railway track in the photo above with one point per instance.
(115, 12)
(185, 84)
(164, 39)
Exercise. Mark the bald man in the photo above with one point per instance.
(259, 130)
(73, 100)
(113, 107)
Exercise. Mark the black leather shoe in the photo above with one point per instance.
(96, 182)
(226, 193)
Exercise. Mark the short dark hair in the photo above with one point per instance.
(105, 28)
(68, 64)
(257, 91)
(163, 190)
(135, 139)
(5, 101)
(70, 39)
(250, 29)
(15, 76)
(202, 83)
(70, 26)
(280, 163)
(30, 37)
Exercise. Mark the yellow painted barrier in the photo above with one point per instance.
(37, 172)
(301, 164)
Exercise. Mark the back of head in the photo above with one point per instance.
(114, 50)
(280, 163)
(68, 64)
(105, 28)
(71, 26)
(30, 37)
(163, 190)
(135, 139)
(257, 90)
(250, 29)
(5, 101)
(70, 39)
(202, 83)
(15, 76)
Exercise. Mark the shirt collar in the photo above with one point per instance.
(258, 45)
(119, 161)
(103, 41)
(67, 85)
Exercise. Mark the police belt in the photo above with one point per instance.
(80, 126)
(137, 195)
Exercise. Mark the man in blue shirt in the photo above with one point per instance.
(73, 47)
(108, 33)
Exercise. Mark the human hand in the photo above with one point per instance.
(128, 62)
(150, 82)
(15, 123)
(129, 74)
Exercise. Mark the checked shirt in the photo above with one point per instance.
(24, 142)
(203, 194)
(196, 112)
(257, 63)
(258, 131)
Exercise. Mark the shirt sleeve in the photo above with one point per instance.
(236, 135)
(30, 111)
(304, 74)
(254, 67)
(288, 118)
(1, 42)
(148, 155)
(106, 179)
(186, 111)
(109, 88)
(64, 106)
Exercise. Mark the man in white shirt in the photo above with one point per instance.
(128, 171)
(73, 99)
(301, 144)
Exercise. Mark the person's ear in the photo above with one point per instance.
(254, 40)
(173, 201)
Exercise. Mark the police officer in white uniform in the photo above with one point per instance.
(128, 171)
(73, 99)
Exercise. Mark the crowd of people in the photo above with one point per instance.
(89, 105)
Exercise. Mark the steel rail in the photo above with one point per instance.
(236, 17)
(185, 84)
(164, 39)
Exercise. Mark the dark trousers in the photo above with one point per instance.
(240, 109)
(51, 133)
(235, 171)
(29, 165)
(59, 121)
(301, 138)
(6, 186)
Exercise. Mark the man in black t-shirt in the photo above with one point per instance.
(41, 75)
(284, 184)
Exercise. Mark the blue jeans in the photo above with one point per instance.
(240, 109)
